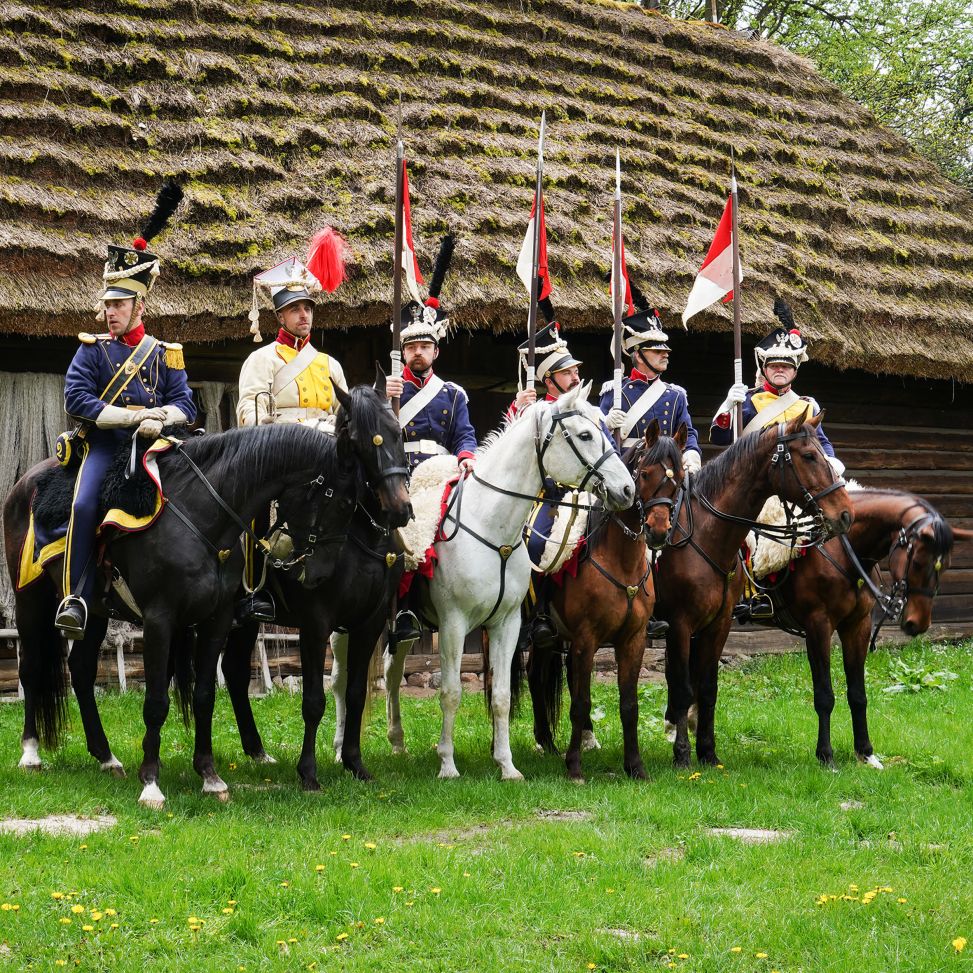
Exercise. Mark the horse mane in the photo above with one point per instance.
(714, 473)
(368, 407)
(491, 438)
(942, 532)
(254, 451)
(664, 450)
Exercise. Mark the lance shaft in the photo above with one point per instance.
(618, 293)
(397, 271)
(737, 309)
(535, 260)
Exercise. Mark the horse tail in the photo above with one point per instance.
(181, 671)
(545, 675)
(43, 668)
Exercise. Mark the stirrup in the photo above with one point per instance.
(761, 607)
(257, 605)
(543, 634)
(407, 628)
(72, 617)
(656, 628)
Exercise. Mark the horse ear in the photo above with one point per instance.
(816, 420)
(652, 433)
(569, 398)
(379, 385)
(795, 424)
(342, 396)
(681, 436)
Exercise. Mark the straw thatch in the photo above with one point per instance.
(281, 117)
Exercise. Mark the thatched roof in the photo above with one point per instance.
(281, 117)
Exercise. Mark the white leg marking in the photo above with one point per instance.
(339, 685)
(450, 692)
(152, 797)
(112, 766)
(31, 757)
(872, 761)
(217, 787)
(265, 758)
(502, 642)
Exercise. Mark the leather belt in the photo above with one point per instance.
(426, 446)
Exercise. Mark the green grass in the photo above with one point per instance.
(486, 883)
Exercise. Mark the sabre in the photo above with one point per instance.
(396, 354)
(535, 284)
(737, 308)
(618, 292)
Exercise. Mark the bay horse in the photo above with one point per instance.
(832, 588)
(698, 579)
(610, 600)
(356, 598)
(483, 570)
(183, 571)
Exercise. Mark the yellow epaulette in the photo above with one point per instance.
(90, 339)
(174, 358)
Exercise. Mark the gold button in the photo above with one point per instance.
(445, 412)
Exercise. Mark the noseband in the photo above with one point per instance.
(541, 446)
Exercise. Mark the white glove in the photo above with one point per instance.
(150, 428)
(172, 415)
(691, 461)
(393, 387)
(158, 412)
(115, 417)
(837, 466)
(736, 395)
(266, 420)
(467, 463)
(616, 418)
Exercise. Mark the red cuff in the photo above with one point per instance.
(723, 420)
(465, 454)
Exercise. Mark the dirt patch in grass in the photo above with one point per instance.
(478, 832)
(664, 855)
(564, 815)
(851, 805)
(626, 934)
(751, 836)
(59, 824)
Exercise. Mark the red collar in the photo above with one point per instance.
(133, 337)
(408, 376)
(636, 376)
(774, 391)
(284, 337)
(549, 398)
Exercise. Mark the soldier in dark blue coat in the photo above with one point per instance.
(433, 413)
(118, 383)
(645, 396)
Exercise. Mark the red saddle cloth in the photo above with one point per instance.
(428, 564)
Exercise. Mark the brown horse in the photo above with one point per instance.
(611, 599)
(832, 588)
(698, 580)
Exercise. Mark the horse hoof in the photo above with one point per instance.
(152, 797)
(637, 773)
(263, 758)
(113, 766)
(31, 757)
(399, 750)
(216, 787)
(512, 774)
(871, 761)
(310, 786)
(448, 773)
(31, 765)
(589, 741)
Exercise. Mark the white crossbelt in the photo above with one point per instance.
(420, 400)
(426, 446)
(767, 415)
(640, 407)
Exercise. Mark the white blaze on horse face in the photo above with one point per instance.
(571, 462)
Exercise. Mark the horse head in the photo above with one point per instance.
(573, 449)
(919, 554)
(803, 475)
(368, 429)
(658, 479)
(317, 514)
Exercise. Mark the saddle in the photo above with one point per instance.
(125, 504)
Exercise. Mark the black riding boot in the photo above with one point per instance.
(407, 627)
(257, 606)
(543, 633)
(656, 629)
(72, 617)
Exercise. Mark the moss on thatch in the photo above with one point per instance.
(281, 117)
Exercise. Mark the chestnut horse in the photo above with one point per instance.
(833, 589)
(698, 580)
(611, 599)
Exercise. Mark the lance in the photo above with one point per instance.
(737, 309)
(618, 293)
(535, 282)
(397, 265)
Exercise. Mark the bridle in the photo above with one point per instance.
(542, 444)
(307, 536)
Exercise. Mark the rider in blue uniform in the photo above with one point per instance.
(433, 413)
(117, 384)
(773, 399)
(645, 396)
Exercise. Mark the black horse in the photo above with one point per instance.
(357, 600)
(184, 571)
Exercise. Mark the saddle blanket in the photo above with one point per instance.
(768, 556)
(432, 483)
(566, 532)
(128, 505)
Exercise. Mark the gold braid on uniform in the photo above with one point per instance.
(174, 356)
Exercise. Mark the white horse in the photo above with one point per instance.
(483, 570)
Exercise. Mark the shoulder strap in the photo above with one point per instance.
(420, 400)
(642, 405)
(300, 363)
(766, 416)
(121, 379)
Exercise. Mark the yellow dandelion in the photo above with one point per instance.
(346, 837)
(312, 966)
(111, 912)
(284, 885)
(232, 766)
(77, 909)
(959, 944)
(411, 903)
(231, 901)
(65, 921)
(292, 939)
(280, 942)
(60, 962)
(580, 854)
(332, 853)
(853, 888)
(371, 844)
(57, 895)
(610, 891)
(341, 937)
(96, 915)
(319, 868)
(720, 767)
(359, 924)
(466, 874)
(355, 865)
(194, 920)
(901, 901)
(435, 890)
(88, 928)
(760, 955)
(6, 907)
(133, 837)
(736, 949)
(114, 925)
(83, 847)
(397, 888)
(380, 920)
(153, 922)
(695, 776)
(228, 911)
(684, 956)
(671, 965)
(592, 966)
